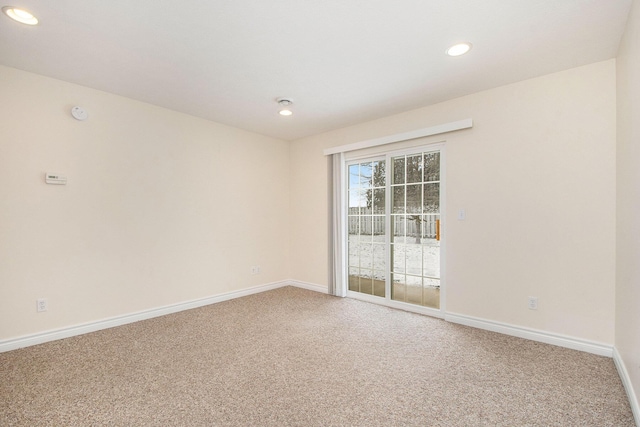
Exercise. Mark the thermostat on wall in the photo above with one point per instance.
(54, 178)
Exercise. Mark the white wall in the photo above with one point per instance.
(628, 207)
(536, 175)
(160, 207)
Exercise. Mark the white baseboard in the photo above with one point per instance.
(43, 337)
(626, 382)
(533, 334)
(308, 286)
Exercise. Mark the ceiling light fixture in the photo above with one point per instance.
(459, 49)
(20, 15)
(285, 102)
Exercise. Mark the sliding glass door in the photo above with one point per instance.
(394, 232)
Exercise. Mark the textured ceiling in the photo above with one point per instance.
(342, 62)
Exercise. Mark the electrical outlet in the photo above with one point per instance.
(41, 304)
(533, 303)
(255, 269)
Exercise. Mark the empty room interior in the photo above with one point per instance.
(296, 213)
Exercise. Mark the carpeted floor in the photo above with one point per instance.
(292, 357)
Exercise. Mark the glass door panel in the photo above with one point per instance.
(415, 237)
(367, 255)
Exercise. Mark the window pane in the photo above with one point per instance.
(354, 284)
(429, 226)
(354, 201)
(414, 169)
(364, 228)
(378, 196)
(414, 290)
(354, 251)
(431, 283)
(399, 228)
(431, 293)
(432, 166)
(398, 199)
(378, 287)
(413, 257)
(431, 261)
(366, 175)
(379, 228)
(398, 170)
(379, 174)
(379, 275)
(366, 281)
(354, 177)
(354, 225)
(380, 259)
(357, 201)
(398, 287)
(413, 226)
(366, 255)
(399, 258)
(432, 198)
(414, 198)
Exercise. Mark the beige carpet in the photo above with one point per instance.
(291, 357)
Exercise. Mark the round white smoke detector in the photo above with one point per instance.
(79, 113)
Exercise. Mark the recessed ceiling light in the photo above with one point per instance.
(285, 102)
(459, 49)
(20, 15)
